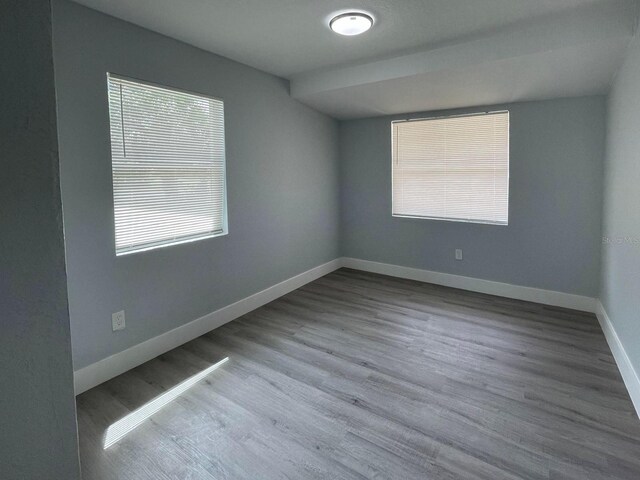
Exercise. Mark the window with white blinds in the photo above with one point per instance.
(454, 168)
(168, 165)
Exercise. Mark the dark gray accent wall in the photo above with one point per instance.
(553, 237)
(621, 228)
(38, 435)
(282, 177)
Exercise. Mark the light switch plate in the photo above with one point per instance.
(118, 321)
(458, 254)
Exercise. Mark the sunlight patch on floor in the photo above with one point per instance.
(128, 423)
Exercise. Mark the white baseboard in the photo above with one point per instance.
(546, 297)
(107, 368)
(629, 374)
(103, 370)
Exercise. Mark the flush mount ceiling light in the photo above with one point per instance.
(352, 23)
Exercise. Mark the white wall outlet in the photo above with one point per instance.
(458, 254)
(118, 321)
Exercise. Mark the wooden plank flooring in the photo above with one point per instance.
(365, 376)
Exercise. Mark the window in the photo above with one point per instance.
(168, 165)
(454, 168)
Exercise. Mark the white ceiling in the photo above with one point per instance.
(420, 55)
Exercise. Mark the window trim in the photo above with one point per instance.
(168, 243)
(127, 78)
(449, 219)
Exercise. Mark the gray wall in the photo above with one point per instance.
(38, 437)
(553, 237)
(282, 174)
(621, 255)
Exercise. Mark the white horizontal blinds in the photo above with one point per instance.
(454, 168)
(168, 162)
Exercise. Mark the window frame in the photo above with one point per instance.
(449, 219)
(183, 240)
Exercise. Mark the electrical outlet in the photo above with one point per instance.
(458, 254)
(118, 321)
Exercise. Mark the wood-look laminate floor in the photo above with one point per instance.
(364, 376)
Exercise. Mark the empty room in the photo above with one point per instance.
(320, 239)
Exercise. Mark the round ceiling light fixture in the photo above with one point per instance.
(352, 23)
